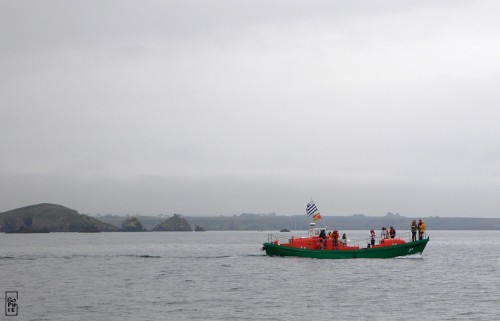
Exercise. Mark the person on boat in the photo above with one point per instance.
(344, 239)
(421, 229)
(384, 234)
(413, 228)
(322, 238)
(392, 232)
(335, 238)
(372, 235)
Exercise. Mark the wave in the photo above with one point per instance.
(142, 256)
(146, 256)
(411, 257)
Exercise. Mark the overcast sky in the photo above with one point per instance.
(223, 107)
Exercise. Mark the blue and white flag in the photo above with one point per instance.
(311, 208)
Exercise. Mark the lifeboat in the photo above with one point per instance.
(318, 244)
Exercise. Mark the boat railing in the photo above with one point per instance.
(350, 242)
(407, 236)
(368, 241)
(277, 239)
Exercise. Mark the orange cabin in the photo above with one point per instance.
(389, 242)
(315, 243)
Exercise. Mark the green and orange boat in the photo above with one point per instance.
(315, 246)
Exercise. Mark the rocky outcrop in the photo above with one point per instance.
(174, 224)
(132, 224)
(52, 218)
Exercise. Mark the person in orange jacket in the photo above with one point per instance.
(421, 229)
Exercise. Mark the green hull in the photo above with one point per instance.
(364, 253)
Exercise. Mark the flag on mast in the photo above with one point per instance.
(311, 209)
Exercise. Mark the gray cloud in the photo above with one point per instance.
(220, 107)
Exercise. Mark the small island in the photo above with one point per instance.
(176, 223)
(44, 218)
(132, 224)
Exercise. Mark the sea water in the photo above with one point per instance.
(225, 276)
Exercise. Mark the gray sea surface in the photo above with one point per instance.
(226, 276)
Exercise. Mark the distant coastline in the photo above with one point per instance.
(56, 218)
(259, 222)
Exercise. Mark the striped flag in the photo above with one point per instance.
(311, 209)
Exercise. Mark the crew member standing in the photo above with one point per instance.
(392, 232)
(421, 229)
(335, 237)
(384, 234)
(413, 228)
(372, 236)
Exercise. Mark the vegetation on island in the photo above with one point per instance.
(45, 217)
